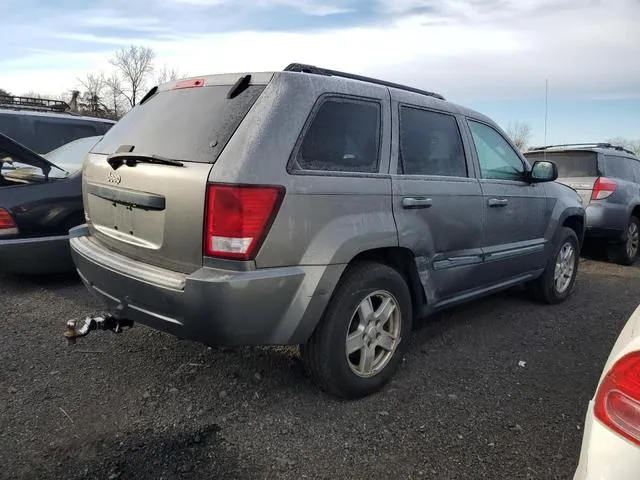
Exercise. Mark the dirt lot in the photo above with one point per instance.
(145, 405)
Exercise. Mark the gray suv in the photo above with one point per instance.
(315, 207)
(608, 179)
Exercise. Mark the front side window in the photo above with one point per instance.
(344, 136)
(498, 160)
(430, 144)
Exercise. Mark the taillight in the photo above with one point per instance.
(238, 219)
(7, 225)
(603, 188)
(617, 402)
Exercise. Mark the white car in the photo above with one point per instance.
(611, 442)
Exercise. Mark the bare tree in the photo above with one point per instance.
(114, 95)
(520, 133)
(135, 64)
(632, 145)
(166, 74)
(94, 85)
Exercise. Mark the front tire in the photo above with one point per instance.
(360, 341)
(556, 282)
(626, 252)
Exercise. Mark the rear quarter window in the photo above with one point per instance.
(636, 169)
(343, 135)
(619, 167)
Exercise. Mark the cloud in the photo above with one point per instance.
(308, 7)
(465, 49)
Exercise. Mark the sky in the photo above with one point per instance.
(491, 55)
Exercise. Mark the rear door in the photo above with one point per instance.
(154, 212)
(437, 201)
(516, 213)
(577, 169)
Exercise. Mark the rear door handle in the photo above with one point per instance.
(416, 202)
(497, 202)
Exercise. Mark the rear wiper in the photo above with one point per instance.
(118, 159)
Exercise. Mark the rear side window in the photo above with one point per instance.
(192, 124)
(13, 126)
(430, 144)
(343, 136)
(619, 167)
(570, 164)
(43, 134)
(50, 133)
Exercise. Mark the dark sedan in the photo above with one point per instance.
(40, 200)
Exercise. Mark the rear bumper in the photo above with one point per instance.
(604, 454)
(275, 306)
(36, 255)
(606, 221)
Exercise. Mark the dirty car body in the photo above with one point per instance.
(40, 200)
(314, 160)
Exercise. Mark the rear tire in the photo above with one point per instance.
(626, 252)
(556, 282)
(370, 316)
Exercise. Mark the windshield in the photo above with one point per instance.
(570, 164)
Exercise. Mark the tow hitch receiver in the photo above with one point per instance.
(81, 328)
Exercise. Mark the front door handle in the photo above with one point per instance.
(497, 202)
(416, 202)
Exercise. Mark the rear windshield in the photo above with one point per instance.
(570, 164)
(192, 124)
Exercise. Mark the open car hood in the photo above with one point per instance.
(22, 154)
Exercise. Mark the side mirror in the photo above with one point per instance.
(543, 171)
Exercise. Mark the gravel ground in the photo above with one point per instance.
(145, 405)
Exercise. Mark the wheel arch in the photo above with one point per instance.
(403, 260)
(576, 223)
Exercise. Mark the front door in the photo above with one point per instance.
(515, 211)
(437, 202)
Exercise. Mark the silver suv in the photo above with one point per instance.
(318, 208)
(608, 179)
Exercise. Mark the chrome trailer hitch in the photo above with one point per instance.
(81, 328)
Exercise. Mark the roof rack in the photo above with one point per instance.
(594, 145)
(32, 103)
(303, 68)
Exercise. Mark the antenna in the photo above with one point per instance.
(546, 112)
